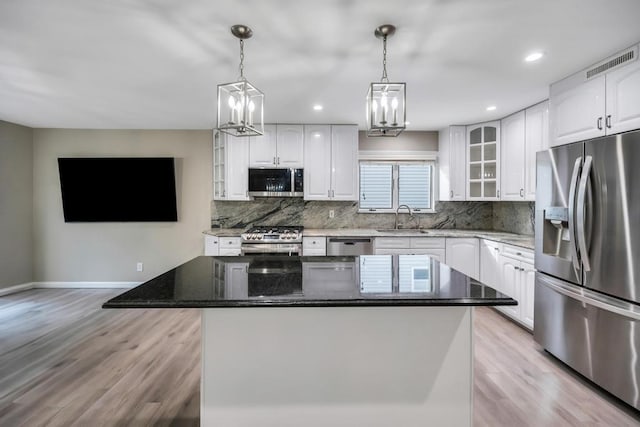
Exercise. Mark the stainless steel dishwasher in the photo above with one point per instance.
(349, 246)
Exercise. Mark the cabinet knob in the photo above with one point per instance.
(522, 192)
(608, 121)
(274, 160)
(519, 253)
(451, 194)
(599, 123)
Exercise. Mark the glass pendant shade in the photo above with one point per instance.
(386, 113)
(240, 109)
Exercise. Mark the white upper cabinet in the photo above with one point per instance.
(576, 110)
(483, 155)
(596, 102)
(281, 146)
(623, 99)
(317, 162)
(230, 167)
(331, 162)
(344, 162)
(290, 144)
(512, 149)
(452, 160)
(536, 139)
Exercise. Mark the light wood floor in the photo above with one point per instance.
(66, 362)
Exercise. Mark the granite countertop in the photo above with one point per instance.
(521, 240)
(273, 281)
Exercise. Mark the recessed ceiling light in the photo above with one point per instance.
(317, 107)
(533, 56)
(491, 108)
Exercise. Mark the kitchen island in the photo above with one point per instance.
(373, 340)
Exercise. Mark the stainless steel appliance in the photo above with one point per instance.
(337, 246)
(276, 182)
(587, 295)
(272, 240)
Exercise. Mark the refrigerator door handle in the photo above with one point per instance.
(601, 301)
(572, 224)
(580, 216)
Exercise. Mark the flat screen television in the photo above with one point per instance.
(118, 189)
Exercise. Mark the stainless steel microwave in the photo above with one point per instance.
(276, 182)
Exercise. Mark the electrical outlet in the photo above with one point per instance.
(332, 213)
(139, 266)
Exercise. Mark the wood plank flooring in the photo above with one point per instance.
(66, 362)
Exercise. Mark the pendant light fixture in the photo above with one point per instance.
(240, 104)
(386, 114)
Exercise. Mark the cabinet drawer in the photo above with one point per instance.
(392, 242)
(427, 242)
(229, 251)
(314, 243)
(211, 245)
(518, 253)
(229, 242)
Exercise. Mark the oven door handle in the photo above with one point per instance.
(270, 249)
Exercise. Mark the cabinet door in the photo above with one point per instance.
(463, 254)
(536, 139)
(344, 162)
(452, 164)
(577, 109)
(317, 162)
(483, 161)
(489, 272)
(262, 149)
(237, 168)
(211, 245)
(290, 140)
(527, 287)
(623, 99)
(510, 280)
(236, 281)
(512, 151)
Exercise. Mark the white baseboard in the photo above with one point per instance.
(67, 285)
(85, 285)
(16, 288)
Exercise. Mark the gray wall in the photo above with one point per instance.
(407, 140)
(16, 204)
(109, 251)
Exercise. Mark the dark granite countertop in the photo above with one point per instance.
(280, 281)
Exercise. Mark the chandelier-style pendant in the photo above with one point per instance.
(386, 113)
(240, 104)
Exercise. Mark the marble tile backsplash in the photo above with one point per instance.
(294, 211)
(514, 217)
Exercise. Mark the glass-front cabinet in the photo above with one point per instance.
(483, 154)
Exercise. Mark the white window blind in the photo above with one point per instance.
(414, 185)
(414, 273)
(376, 186)
(376, 273)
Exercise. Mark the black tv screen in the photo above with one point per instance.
(118, 189)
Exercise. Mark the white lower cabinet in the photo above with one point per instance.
(489, 271)
(463, 254)
(314, 246)
(432, 246)
(517, 280)
(229, 246)
(211, 245)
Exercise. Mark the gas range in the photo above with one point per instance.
(273, 234)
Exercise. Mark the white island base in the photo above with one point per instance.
(337, 366)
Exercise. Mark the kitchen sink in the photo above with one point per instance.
(402, 230)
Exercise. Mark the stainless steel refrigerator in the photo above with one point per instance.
(587, 294)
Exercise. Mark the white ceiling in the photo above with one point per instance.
(155, 64)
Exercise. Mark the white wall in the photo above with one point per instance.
(16, 204)
(109, 251)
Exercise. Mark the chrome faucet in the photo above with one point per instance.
(397, 210)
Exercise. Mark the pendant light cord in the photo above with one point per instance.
(384, 79)
(241, 60)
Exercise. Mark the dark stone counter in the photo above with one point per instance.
(280, 281)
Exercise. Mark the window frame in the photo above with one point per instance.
(394, 185)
